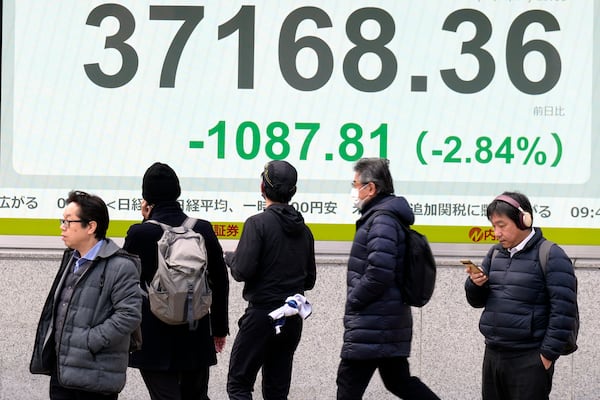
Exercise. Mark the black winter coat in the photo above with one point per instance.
(377, 323)
(174, 347)
(524, 309)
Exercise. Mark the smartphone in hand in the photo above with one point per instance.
(472, 267)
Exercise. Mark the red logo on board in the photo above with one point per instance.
(476, 234)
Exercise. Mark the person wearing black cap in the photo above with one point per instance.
(529, 303)
(275, 258)
(174, 361)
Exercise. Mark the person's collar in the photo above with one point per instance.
(90, 255)
(375, 200)
(521, 245)
(269, 202)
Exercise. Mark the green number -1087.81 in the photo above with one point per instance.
(248, 140)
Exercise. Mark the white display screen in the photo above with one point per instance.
(467, 98)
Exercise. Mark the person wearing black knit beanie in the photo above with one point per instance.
(160, 183)
(174, 361)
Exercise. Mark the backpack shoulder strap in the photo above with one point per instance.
(384, 212)
(155, 222)
(544, 253)
(124, 253)
(189, 223)
(130, 256)
(495, 252)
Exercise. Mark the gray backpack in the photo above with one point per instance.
(179, 292)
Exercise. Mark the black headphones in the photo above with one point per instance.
(525, 220)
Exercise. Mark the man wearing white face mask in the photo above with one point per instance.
(357, 202)
(378, 325)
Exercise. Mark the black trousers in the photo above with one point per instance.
(354, 376)
(257, 346)
(515, 375)
(178, 385)
(59, 392)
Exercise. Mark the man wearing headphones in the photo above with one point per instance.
(529, 312)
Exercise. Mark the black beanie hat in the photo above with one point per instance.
(160, 184)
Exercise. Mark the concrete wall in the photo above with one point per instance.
(447, 346)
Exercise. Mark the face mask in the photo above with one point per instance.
(356, 201)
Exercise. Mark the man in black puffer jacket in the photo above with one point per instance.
(378, 325)
(528, 315)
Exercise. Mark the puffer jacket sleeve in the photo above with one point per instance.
(43, 358)
(477, 295)
(126, 301)
(377, 324)
(561, 285)
(384, 249)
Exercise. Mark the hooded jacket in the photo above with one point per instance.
(103, 312)
(275, 256)
(377, 323)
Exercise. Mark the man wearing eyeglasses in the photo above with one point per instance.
(378, 326)
(94, 305)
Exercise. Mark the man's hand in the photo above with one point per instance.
(547, 363)
(219, 343)
(228, 257)
(478, 278)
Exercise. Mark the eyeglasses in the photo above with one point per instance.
(67, 222)
(362, 184)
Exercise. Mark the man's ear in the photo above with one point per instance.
(372, 188)
(92, 225)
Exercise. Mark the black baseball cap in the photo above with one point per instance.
(281, 176)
